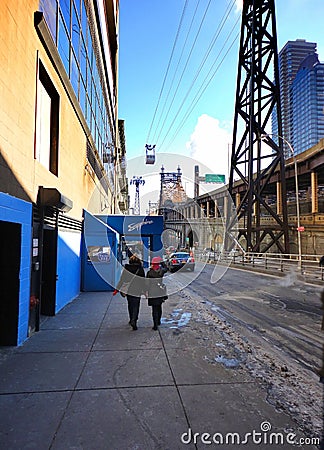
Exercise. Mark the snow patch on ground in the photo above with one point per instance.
(290, 387)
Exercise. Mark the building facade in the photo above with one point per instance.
(60, 149)
(307, 100)
(201, 222)
(290, 58)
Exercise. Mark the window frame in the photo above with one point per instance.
(46, 82)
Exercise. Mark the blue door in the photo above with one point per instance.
(100, 255)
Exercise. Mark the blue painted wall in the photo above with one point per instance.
(147, 229)
(137, 225)
(99, 275)
(68, 268)
(19, 211)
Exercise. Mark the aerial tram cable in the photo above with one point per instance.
(210, 47)
(176, 69)
(197, 97)
(201, 90)
(167, 71)
(184, 69)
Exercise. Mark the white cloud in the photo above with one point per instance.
(239, 5)
(210, 145)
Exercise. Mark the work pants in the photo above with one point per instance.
(157, 314)
(133, 307)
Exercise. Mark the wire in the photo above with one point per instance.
(201, 90)
(198, 96)
(167, 71)
(175, 72)
(199, 70)
(211, 45)
(183, 71)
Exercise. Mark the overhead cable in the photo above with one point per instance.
(211, 45)
(167, 71)
(187, 61)
(198, 94)
(176, 69)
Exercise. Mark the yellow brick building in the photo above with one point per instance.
(62, 149)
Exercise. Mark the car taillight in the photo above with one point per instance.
(192, 259)
(174, 261)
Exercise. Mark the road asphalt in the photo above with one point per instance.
(88, 381)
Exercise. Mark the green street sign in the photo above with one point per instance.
(212, 178)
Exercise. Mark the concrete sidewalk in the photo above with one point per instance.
(88, 381)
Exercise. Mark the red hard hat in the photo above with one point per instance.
(156, 260)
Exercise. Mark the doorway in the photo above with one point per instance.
(48, 274)
(10, 257)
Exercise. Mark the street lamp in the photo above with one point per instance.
(263, 137)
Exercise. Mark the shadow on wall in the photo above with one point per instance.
(9, 184)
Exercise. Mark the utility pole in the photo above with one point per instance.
(137, 181)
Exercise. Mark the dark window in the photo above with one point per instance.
(47, 122)
(70, 28)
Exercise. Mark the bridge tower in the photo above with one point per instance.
(171, 190)
(255, 155)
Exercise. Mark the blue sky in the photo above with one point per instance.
(193, 114)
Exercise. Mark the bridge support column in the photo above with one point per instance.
(225, 206)
(314, 187)
(183, 237)
(237, 200)
(279, 197)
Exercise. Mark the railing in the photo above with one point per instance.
(271, 262)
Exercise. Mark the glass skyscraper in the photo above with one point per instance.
(294, 99)
(307, 97)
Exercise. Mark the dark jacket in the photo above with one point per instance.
(132, 274)
(153, 283)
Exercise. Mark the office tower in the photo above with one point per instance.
(290, 58)
(307, 103)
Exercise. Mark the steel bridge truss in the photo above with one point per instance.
(255, 156)
(171, 190)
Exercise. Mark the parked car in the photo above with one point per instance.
(208, 252)
(180, 260)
